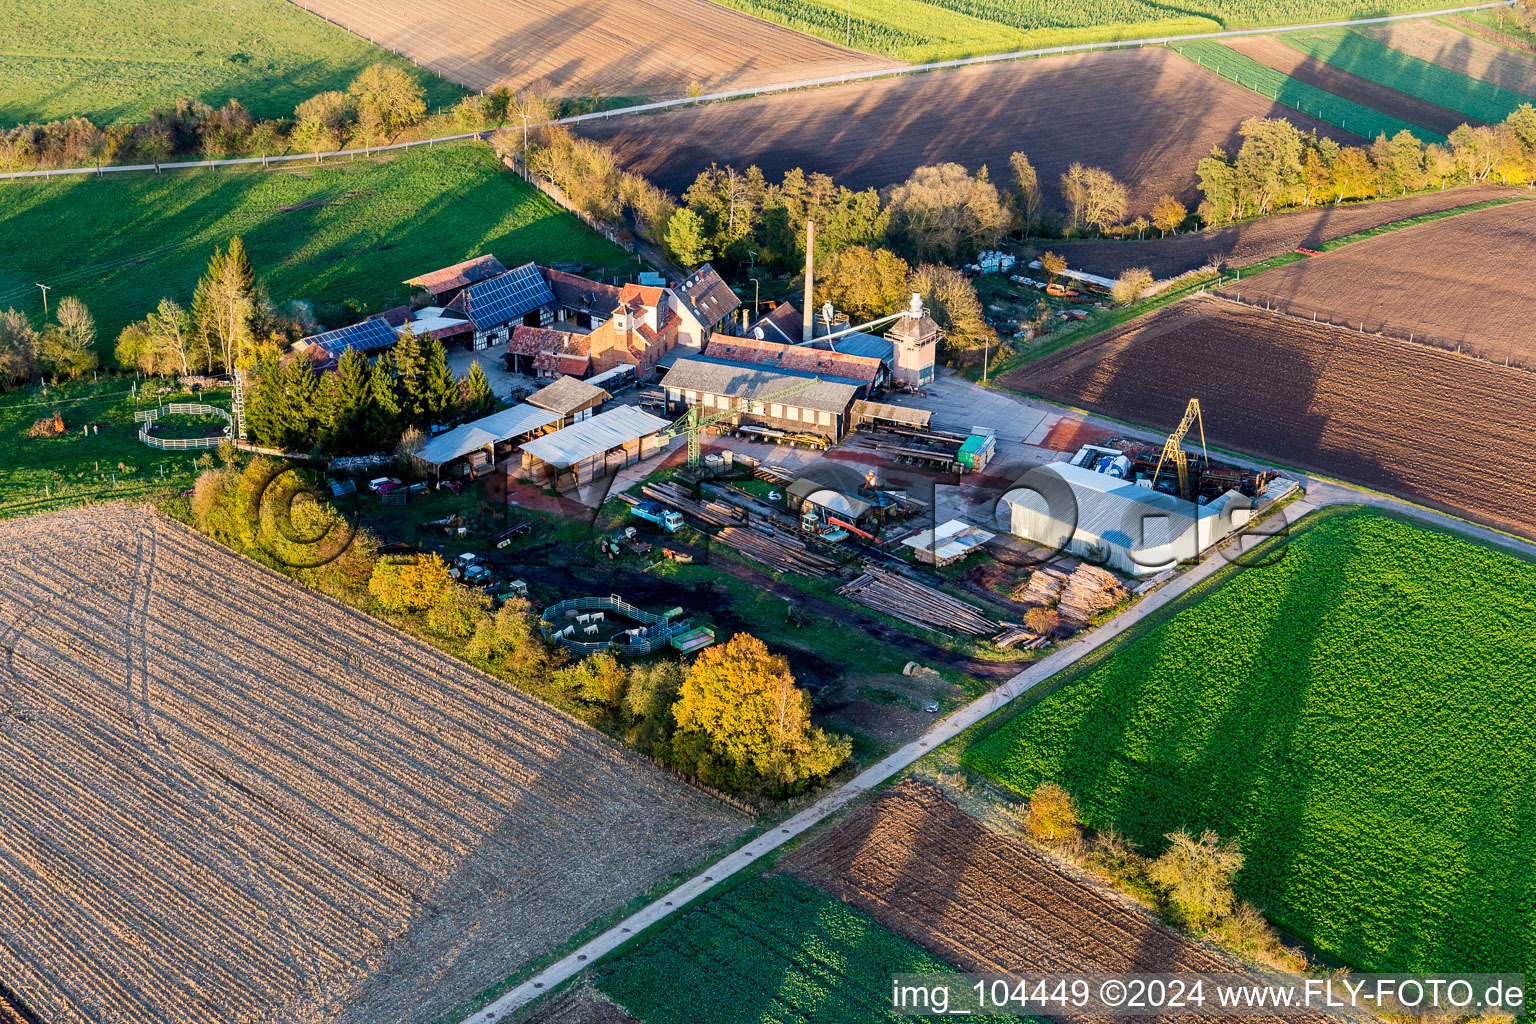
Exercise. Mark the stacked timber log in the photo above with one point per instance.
(1090, 590)
(913, 602)
(775, 475)
(779, 551)
(1016, 634)
(710, 513)
(1044, 587)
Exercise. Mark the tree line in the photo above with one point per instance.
(381, 102)
(733, 718)
(1278, 166)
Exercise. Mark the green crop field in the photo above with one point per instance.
(770, 951)
(1361, 716)
(929, 30)
(115, 60)
(1367, 58)
(1309, 99)
(343, 235)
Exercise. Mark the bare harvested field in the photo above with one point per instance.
(584, 1005)
(1461, 282)
(1272, 53)
(984, 901)
(652, 48)
(1439, 43)
(1148, 115)
(1243, 244)
(229, 799)
(1448, 431)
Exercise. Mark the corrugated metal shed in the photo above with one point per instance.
(948, 541)
(593, 437)
(488, 430)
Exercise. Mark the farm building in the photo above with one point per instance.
(481, 442)
(432, 322)
(445, 285)
(816, 494)
(818, 405)
(802, 358)
(704, 302)
(372, 337)
(569, 399)
(637, 332)
(781, 324)
(1134, 530)
(496, 305)
(603, 444)
(580, 301)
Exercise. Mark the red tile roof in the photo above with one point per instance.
(793, 357)
(480, 268)
(530, 341)
(575, 292)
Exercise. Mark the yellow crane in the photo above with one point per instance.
(1173, 449)
(693, 422)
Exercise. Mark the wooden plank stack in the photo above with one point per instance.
(774, 474)
(1016, 634)
(913, 602)
(710, 513)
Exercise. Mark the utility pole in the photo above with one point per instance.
(45, 288)
(525, 138)
(755, 284)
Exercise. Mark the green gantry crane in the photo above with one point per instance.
(693, 422)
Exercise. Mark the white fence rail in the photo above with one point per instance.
(148, 417)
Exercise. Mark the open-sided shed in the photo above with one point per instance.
(484, 434)
(606, 443)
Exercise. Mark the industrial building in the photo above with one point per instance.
(774, 400)
(1117, 523)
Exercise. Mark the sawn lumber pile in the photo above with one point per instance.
(774, 475)
(912, 602)
(1077, 597)
(784, 553)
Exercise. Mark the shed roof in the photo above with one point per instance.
(781, 323)
(752, 382)
(498, 426)
(870, 346)
(831, 499)
(566, 395)
(793, 357)
(480, 268)
(948, 540)
(368, 336)
(583, 440)
(576, 292)
(919, 419)
(1137, 518)
(496, 301)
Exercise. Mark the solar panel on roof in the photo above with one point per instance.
(368, 336)
(507, 297)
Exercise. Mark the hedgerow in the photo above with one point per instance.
(1360, 717)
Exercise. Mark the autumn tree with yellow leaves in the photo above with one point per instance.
(743, 725)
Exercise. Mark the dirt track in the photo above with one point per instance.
(1273, 53)
(1165, 115)
(1444, 430)
(985, 902)
(651, 48)
(233, 801)
(1461, 282)
(1255, 240)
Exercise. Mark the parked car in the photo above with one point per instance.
(454, 486)
(384, 484)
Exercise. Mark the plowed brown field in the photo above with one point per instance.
(985, 902)
(1255, 240)
(1273, 53)
(1461, 282)
(652, 48)
(1448, 431)
(1439, 43)
(228, 799)
(584, 1005)
(1148, 115)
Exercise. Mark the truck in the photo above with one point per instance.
(652, 512)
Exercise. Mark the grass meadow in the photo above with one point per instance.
(1359, 716)
(115, 60)
(343, 235)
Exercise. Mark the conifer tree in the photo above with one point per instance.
(476, 395)
(410, 366)
(349, 415)
(440, 388)
(266, 409)
(300, 393)
(381, 412)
